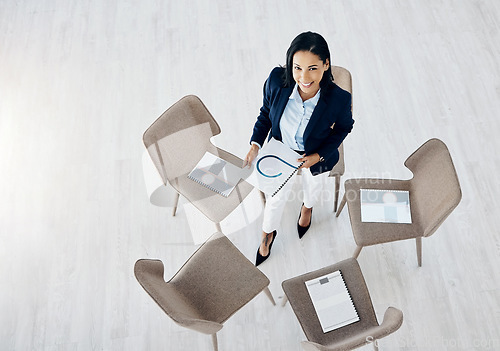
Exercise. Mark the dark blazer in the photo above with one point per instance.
(333, 109)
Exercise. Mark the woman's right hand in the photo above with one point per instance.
(252, 154)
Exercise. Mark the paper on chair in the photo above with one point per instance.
(332, 301)
(385, 206)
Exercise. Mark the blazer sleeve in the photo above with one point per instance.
(263, 124)
(342, 127)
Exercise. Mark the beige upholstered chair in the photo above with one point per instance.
(351, 336)
(176, 141)
(434, 194)
(210, 287)
(343, 79)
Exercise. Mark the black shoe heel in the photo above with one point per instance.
(261, 258)
(303, 230)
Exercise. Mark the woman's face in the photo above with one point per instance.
(308, 71)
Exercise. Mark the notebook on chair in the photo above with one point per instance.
(332, 301)
(216, 174)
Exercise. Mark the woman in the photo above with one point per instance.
(309, 113)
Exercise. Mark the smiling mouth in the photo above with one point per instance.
(308, 85)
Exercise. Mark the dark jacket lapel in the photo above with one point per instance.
(315, 118)
(284, 94)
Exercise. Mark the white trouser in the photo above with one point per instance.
(311, 189)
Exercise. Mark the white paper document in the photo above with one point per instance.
(275, 164)
(216, 174)
(332, 301)
(385, 206)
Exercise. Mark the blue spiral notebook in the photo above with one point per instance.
(273, 167)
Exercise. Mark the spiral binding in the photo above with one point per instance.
(207, 186)
(287, 179)
(349, 293)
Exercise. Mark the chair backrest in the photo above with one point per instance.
(342, 77)
(435, 189)
(181, 133)
(149, 273)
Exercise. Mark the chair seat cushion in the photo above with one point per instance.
(300, 300)
(215, 206)
(366, 234)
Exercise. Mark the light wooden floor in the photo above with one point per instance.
(80, 81)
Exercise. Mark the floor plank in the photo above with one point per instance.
(81, 81)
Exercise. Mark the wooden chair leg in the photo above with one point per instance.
(285, 300)
(342, 204)
(357, 251)
(269, 295)
(337, 189)
(214, 342)
(176, 202)
(419, 251)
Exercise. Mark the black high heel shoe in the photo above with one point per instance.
(303, 230)
(261, 258)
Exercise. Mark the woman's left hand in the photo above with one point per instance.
(310, 160)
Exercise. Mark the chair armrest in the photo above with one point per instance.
(393, 319)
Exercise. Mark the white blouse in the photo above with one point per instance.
(295, 118)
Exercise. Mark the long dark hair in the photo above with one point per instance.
(315, 43)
